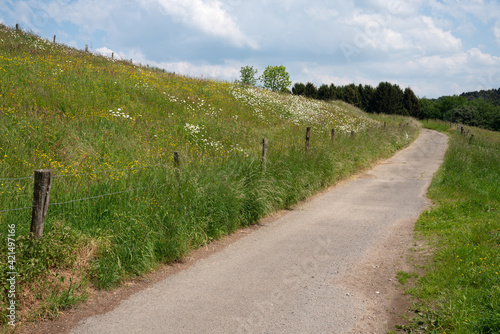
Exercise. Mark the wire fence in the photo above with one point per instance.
(18, 209)
(107, 171)
(100, 196)
(95, 185)
(17, 179)
(203, 160)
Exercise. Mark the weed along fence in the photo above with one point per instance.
(50, 193)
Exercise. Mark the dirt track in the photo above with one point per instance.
(326, 267)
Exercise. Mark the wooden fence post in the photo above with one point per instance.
(308, 136)
(86, 48)
(54, 39)
(112, 55)
(177, 165)
(41, 196)
(17, 26)
(332, 136)
(353, 134)
(265, 143)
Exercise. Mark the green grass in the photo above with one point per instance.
(111, 128)
(460, 293)
(403, 276)
(438, 125)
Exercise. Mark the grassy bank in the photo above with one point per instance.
(118, 208)
(460, 292)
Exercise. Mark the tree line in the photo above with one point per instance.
(481, 109)
(385, 98)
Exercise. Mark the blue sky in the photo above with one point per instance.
(435, 47)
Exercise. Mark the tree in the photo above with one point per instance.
(333, 92)
(446, 104)
(411, 103)
(466, 115)
(298, 89)
(276, 78)
(429, 109)
(387, 99)
(311, 90)
(351, 95)
(247, 75)
(324, 93)
(339, 93)
(366, 95)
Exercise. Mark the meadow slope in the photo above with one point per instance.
(108, 130)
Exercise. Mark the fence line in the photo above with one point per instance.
(85, 174)
(18, 209)
(17, 179)
(99, 196)
(177, 166)
(271, 145)
(84, 199)
(107, 171)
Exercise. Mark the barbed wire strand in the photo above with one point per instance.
(246, 155)
(84, 199)
(18, 209)
(17, 178)
(99, 196)
(108, 171)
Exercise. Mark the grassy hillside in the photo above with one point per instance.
(460, 292)
(108, 129)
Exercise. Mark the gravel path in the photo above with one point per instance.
(298, 274)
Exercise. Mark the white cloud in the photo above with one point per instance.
(483, 10)
(91, 15)
(322, 75)
(226, 72)
(454, 74)
(496, 31)
(470, 62)
(434, 39)
(209, 17)
(398, 36)
(105, 51)
(321, 13)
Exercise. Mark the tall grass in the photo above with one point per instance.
(460, 293)
(108, 130)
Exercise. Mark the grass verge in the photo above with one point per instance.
(460, 291)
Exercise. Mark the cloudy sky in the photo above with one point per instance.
(436, 47)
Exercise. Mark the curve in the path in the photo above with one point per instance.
(283, 277)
